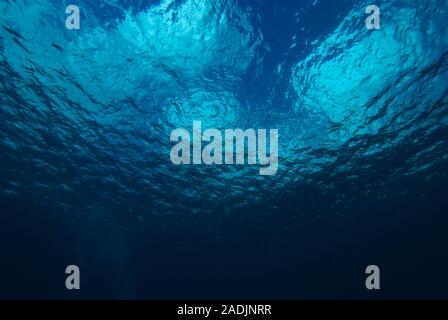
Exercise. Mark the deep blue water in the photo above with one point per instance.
(86, 178)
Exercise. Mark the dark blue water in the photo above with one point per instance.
(86, 178)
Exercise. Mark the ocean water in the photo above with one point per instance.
(85, 170)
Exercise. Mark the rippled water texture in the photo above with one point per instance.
(93, 109)
(86, 114)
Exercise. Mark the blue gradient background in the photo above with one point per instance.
(85, 175)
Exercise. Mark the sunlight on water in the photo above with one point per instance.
(95, 107)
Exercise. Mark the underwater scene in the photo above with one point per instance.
(120, 124)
